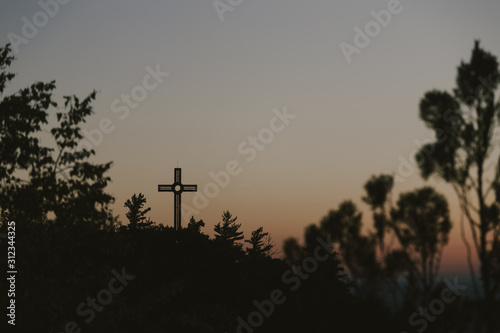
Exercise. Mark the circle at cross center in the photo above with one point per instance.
(177, 188)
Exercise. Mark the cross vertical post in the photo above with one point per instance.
(177, 187)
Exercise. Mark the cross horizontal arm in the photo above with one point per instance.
(190, 188)
(165, 188)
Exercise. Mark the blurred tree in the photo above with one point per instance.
(358, 252)
(463, 152)
(378, 191)
(293, 252)
(422, 224)
(137, 214)
(343, 224)
(38, 182)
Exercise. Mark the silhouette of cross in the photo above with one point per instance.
(177, 187)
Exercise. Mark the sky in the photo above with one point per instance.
(264, 86)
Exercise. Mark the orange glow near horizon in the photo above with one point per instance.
(287, 217)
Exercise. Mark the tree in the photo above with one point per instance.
(136, 214)
(293, 252)
(464, 122)
(378, 190)
(228, 230)
(259, 248)
(344, 223)
(40, 183)
(358, 252)
(195, 225)
(422, 224)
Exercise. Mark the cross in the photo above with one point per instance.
(177, 187)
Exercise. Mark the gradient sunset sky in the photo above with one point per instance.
(225, 79)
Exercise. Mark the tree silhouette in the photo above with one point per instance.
(464, 122)
(37, 182)
(228, 230)
(378, 190)
(358, 252)
(422, 224)
(321, 296)
(137, 214)
(293, 252)
(259, 248)
(195, 225)
(419, 226)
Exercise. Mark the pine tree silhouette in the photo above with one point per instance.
(228, 230)
(136, 214)
(259, 248)
(194, 225)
